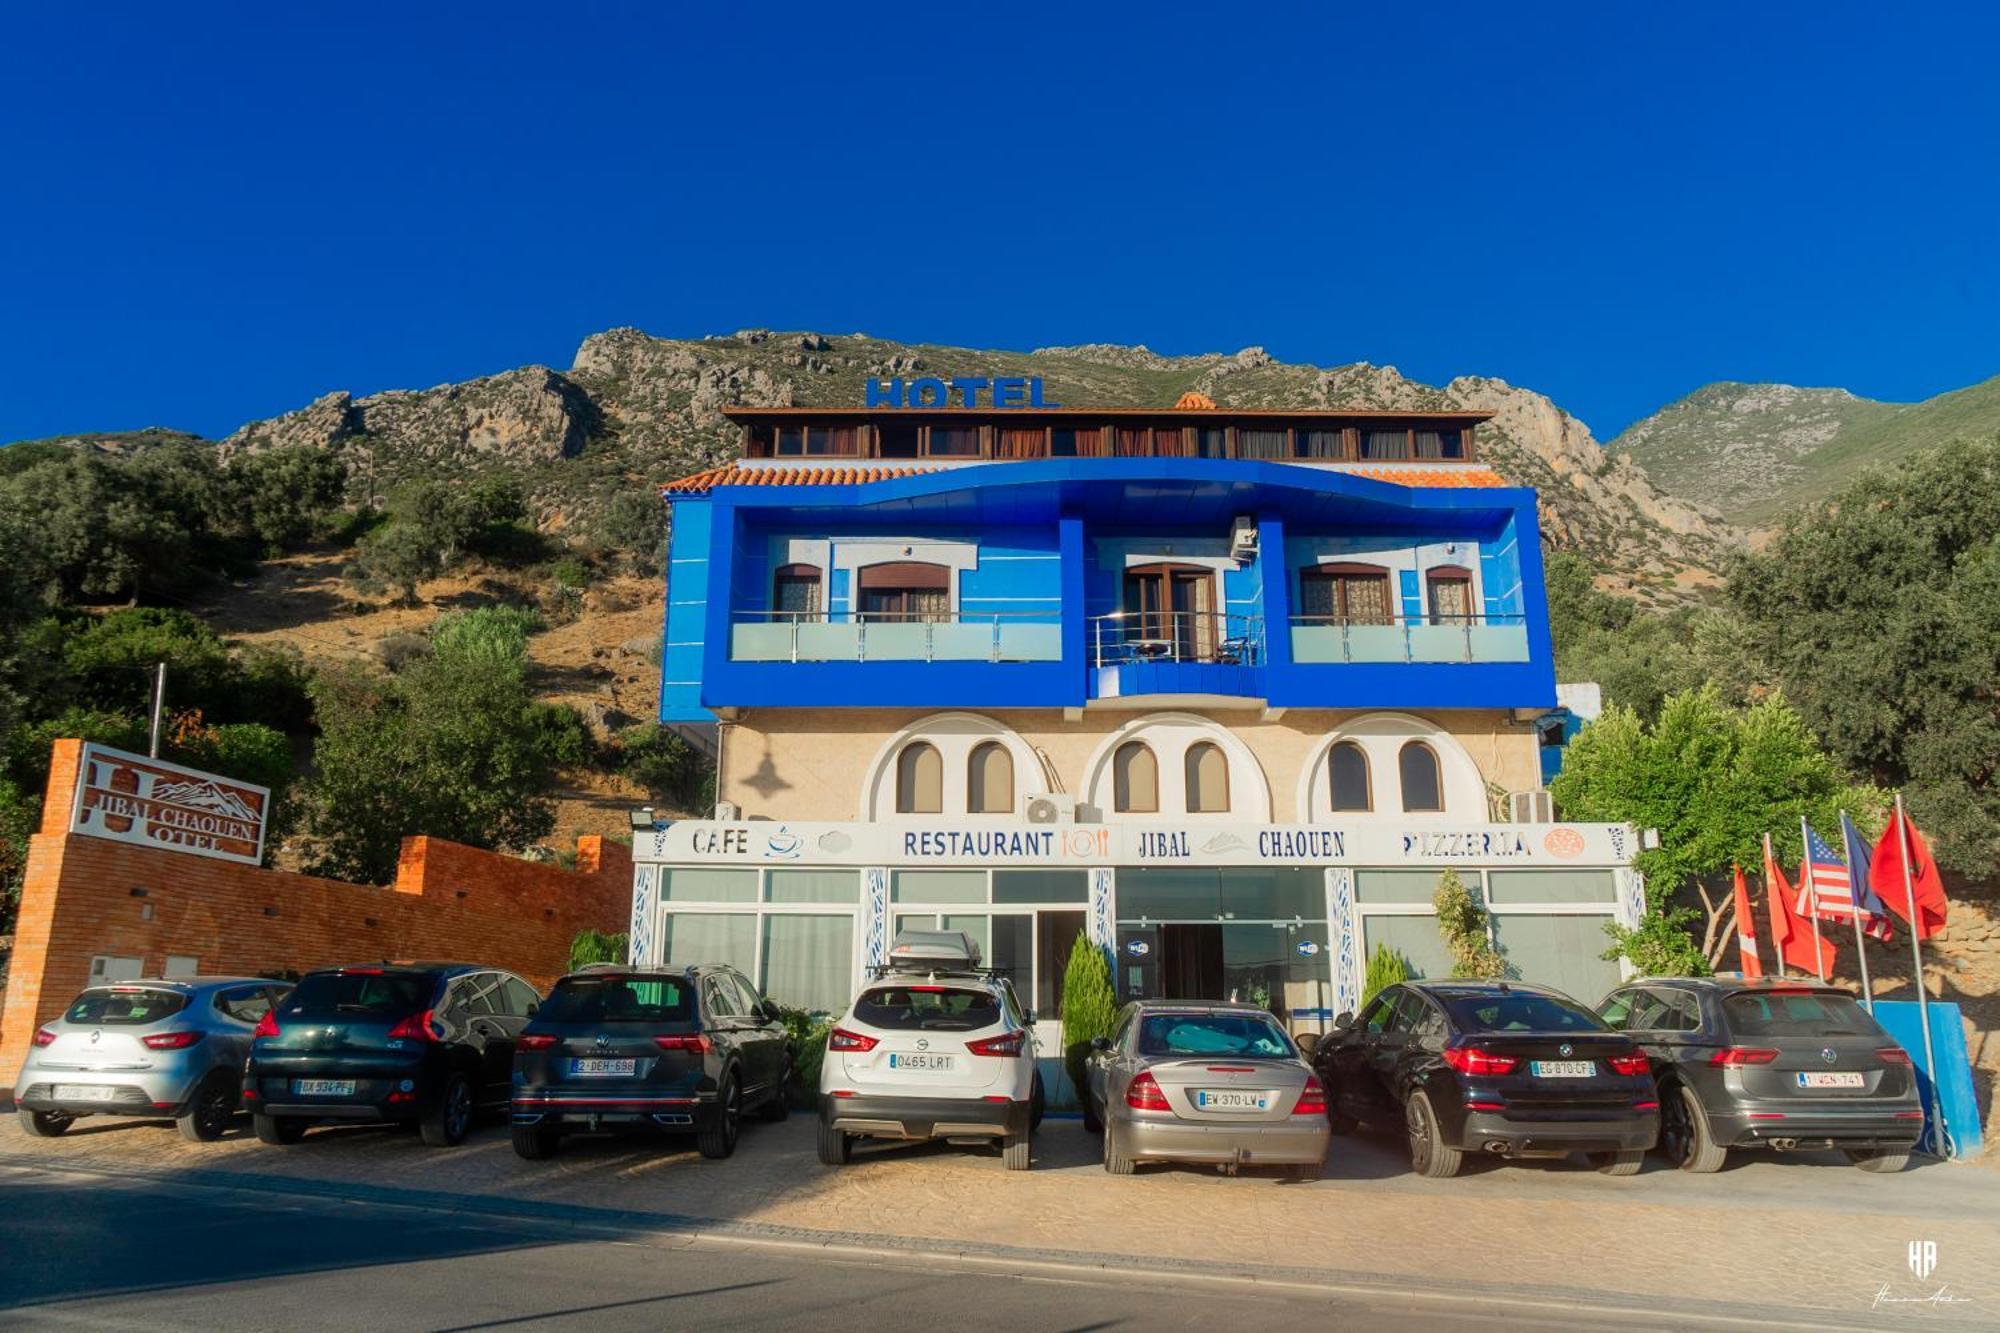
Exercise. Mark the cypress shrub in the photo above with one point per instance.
(1089, 1006)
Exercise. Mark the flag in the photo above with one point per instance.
(1792, 934)
(1748, 963)
(1826, 889)
(1875, 918)
(1886, 877)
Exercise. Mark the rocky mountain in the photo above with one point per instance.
(1755, 450)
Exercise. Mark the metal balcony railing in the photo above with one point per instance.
(1176, 636)
(1437, 638)
(819, 636)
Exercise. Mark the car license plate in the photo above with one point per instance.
(323, 1087)
(1563, 1068)
(1830, 1080)
(928, 1064)
(1229, 1099)
(86, 1092)
(602, 1068)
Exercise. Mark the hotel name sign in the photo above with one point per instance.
(1008, 844)
(1002, 391)
(130, 798)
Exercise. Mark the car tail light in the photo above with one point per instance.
(170, 1041)
(698, 1042)
(1645, 1106)
(1909, 1115)
(840, 1039)
(267, 1026)
(44, 1036)
(1742, 1055)
(1892, 1055)
(1143, 1094)
(417, 1027)
(1007, 1043)
(1629, 1064)
(1486, 1106)
(1472, 1060)
(1313, 1100)
(361, 971)
(535, 1041)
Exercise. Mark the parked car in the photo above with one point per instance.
(1500, 1067)
(931, 1048)
(146, 1048)
(682, 1049)
(424, 1043)
(1196, 1082)
(1769, 1064)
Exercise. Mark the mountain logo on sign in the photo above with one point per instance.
(204, 796)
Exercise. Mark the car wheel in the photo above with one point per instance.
(717, 1138)
(279, 1129)
(210, 1110)
(1037, 1104)
(536, 1142)
(1115, 1161)
(1686, 1137)
(1430, 1155)
(1883, 1160)
(1017, 1151)
(779, 1105)
(444, 1125)
(1625, 1162)
(46, 1124)
(835, 1145)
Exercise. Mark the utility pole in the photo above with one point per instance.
(159, 699)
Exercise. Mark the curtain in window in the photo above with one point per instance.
(990, 780)
(1348, 767)
(919, 780)
(1365, 599)
(955, 441)
(1385, 444)
(1263, 443)
(1322, 444)
(712, 937)
(1135, 779)
(808, 961)
(1317, 597)
(795, 594)
(1451, 600)
(1016, 442)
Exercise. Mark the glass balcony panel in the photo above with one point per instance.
(1030, 642)
(897, 641)
(966, 641)
(829, 641)
(1437, 643)
(1317, 643)
(1375, 643)
(1499, 643)
(761, 643)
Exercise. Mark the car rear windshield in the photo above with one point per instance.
(1521, 1013)
(353, 994)
(133, 1005)
(1211, 1034)
(932, 1008)
(619, 1000)
(1796, 1014)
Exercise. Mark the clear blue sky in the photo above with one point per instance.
(211, 215)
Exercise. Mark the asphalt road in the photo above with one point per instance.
(93, 1252)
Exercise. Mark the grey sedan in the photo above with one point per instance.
(146, 1048)
(1182, 1081)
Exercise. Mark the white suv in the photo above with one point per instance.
(932, 1048)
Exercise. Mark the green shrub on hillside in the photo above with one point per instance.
(672, 771)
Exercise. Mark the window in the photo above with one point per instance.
(928, 1009)
(809, 960)
(905, 590)
(1347, 768)
(719, 998)
(1522, 1011)
(817, 441)
(919, 780)
(989, 780)
(1381, 1015)
(1440, 444)
(1239, 1035)
(1799, 1013)
(336, 994)
(614, 999)
(1066, 443)
(1170, 612)
(1347, 593)
(954, 442)
(1210, 442)
(896, 441)
(1385, 444)
(245, 1004)
(1322, 444)
(1423, 789)
(1135, 779)
(795, 592)
(1207, 779)
(518, 997)
(1451, 594)
(122, 1005)
(1023, 442)
(1263, 443)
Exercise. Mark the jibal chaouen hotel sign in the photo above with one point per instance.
(130, 798)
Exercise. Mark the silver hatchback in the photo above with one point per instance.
(1197, 1082)
(146, 1048)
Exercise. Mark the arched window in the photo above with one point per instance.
(1348, 767)
(989, 780)
(1451, 594)
(1423, 789)
(1135, 779)
(919, 780)
(1207, 779)
(795, 592)
(904, 590)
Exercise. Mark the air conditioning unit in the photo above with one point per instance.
(1052, 809)
(728, 812)
(1531, 807)
(1243, 538)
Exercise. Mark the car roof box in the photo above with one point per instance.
(933, 950)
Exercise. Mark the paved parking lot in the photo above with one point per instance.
(1804, 1234)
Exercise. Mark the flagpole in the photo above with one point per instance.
(1854, 903)
(1770, 908)
(1917, 956)
(1810, 892)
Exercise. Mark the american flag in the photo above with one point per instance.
(1826, 889)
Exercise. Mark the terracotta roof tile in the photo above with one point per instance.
(1430, 476)
(729, 474)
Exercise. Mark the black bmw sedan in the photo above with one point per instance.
(1498, 1067)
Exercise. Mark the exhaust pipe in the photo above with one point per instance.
(1499, 1147)
(1783, 1145)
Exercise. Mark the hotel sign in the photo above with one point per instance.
(1002, 391)
(1381, 843)
(130, 798)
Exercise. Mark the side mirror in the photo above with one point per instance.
(1100, 1043)
(534, 1009)
(770, 1010)
(1029, 1018)
(1344, 1021)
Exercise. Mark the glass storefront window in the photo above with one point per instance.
(1041, 886)
(808, 960)
(813, 886)
(1006, 943)
(708, 884)
(1248, 893)
(1551, 886)
(938, 886)
(1404, 886)
(1415, 937)
(711, 937)
(1559, 951)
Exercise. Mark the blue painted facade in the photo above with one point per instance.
(1037, 552)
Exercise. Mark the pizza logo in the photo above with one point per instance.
(1564, 842)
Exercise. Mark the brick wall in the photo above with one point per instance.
(85, 896)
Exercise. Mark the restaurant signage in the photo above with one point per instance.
(130, 798)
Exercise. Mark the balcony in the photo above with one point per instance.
(1176, 652)
(789, 636)
(1476, 638)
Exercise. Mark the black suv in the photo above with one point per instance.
(681, 1049)
(1769, 1064)
(429, 1043)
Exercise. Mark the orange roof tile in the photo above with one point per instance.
(730, 474)
(1430, 476)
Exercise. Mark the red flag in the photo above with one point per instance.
(1790, 933)
(1748, 963)
(1885, 876)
